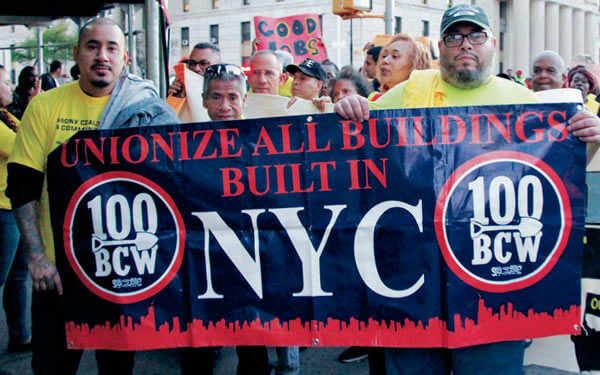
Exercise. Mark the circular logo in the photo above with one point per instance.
(124, 236)
(502, 221)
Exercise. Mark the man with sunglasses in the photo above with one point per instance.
(202, 56)
(224, 95)
(224, 98)
(466, 78)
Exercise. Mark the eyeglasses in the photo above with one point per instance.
(218, 70)
(191, 64)
(456, 39)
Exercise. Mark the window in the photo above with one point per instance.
(214, 34)
(246, 2)
(473, 2)
(246, 43)
(424, 1)
(215, 4)
(186, 5)
(185, 36)
(425, 28)
(398, 25)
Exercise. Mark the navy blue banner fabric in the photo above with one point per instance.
(441, 227)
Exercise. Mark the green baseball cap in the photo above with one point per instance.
(464, 13)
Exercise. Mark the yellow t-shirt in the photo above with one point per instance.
(7, 138)
(497, 91)
(50, 119)
(286, 88)
(592, 104)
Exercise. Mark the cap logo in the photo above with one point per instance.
(308, 63)
(464, 13)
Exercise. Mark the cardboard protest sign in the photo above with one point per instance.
(300, 35)
(438, 227)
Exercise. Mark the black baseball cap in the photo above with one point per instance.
(309, 67)
(464, 13)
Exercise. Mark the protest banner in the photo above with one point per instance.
(300, 35)
(439, 227)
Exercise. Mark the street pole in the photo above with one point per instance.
(389, 17)
(152, 45)
(40, 43)
(351, 43)
(132, 49)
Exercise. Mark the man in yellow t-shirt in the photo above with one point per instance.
(102, 98)
(467, 49)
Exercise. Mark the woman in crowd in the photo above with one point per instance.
(348, 82)
(580, 78)
(332, 72)
(397, 60)
(27, 88)
(13, 263)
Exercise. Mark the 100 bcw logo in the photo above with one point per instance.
(123, 236)
(496, 221)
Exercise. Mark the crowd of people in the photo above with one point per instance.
(396, 75)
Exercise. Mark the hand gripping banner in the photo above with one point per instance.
(441, 227)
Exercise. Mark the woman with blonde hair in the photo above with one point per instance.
(397, 60)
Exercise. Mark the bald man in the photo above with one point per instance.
(548, 71)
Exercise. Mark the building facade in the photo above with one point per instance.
(229, 24)
(522, 27)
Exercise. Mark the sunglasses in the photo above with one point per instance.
(218, 70)
(191, 64)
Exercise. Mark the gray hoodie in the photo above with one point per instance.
(135, 102)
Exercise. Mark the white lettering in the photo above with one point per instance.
(364, 250)
(234, 249)
(311, 268)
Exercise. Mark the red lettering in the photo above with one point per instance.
(378, 173)
(460, 127)
(227, 142)
(520, 127)
(475, 129)
(373, 137)
(230, 181)
(88, 144)
(401, 130)
(285, 138)
(183, 145)
(323, 173)
(264, 140)
(143, 149)
(199, 154)
(63, 154)
(296, 180)
(312, 139)
(354, 183)
(348, 134)
(113, 150)
(503, 129)
(279, 172)
(419, 133)
(558, 125)
(167, 149)
(252, 180)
